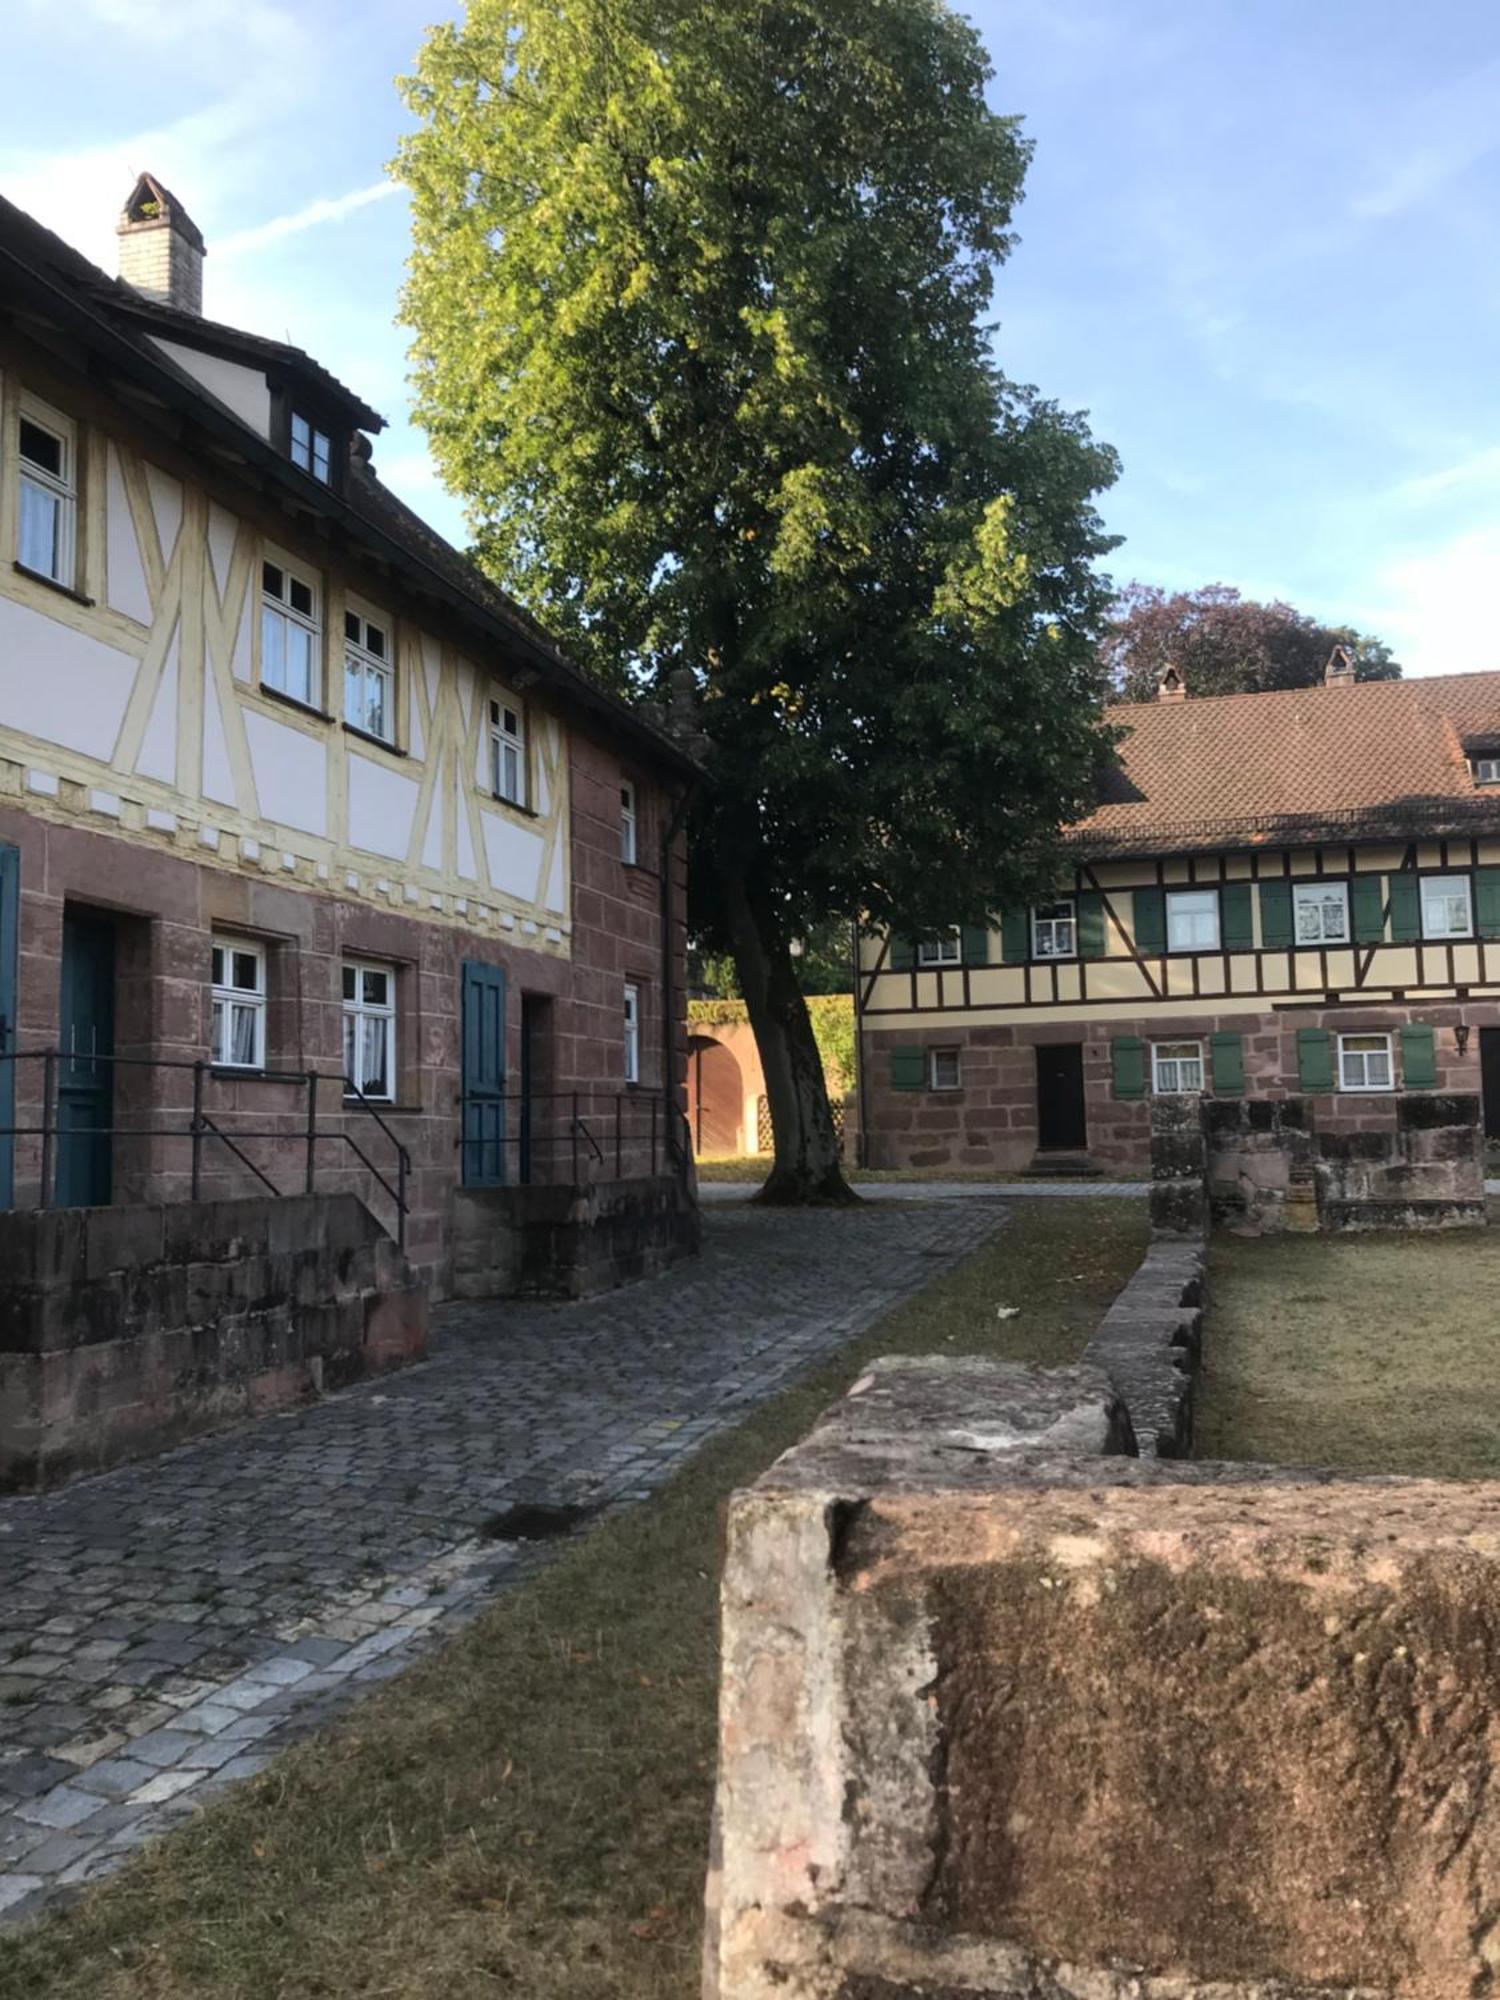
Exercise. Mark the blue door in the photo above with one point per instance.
(86, 1073)
(483, 1140)
(10, 902)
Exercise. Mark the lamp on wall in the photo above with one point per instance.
(1461, 1038)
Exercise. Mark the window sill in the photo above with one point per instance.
(383, 1105)
(515, 806)
(62, 589)
(293, 701)
(380, 742)
(242, 1072)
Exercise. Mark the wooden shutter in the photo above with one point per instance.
(1418, 1058)
(1128, 1059)
(1404, 896)
(1487, 902)
(1236, 920)
(1090, 906)
(1314, 1059)
(908, 1069)
(1367, 894)
(1015, 936)
(1276, 915)
(1149, 914)
(1228, 1055)
(975, 944)
(903, 954)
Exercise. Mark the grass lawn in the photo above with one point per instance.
(526, 1812)
(755, 1166)
(1376, 1353)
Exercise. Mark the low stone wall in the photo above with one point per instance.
(1428, 1174)
(1149, 1343)
(569, 1242)
(1260, 1164)
(123, 1330)
(1008, 1714)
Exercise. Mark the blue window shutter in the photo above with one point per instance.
(1237, 922)
(1406, 908)
(1314, 1059)
(1367, 894)
(902, 955)
(1227, 1054)
(1127, 1055)
(908, 1069)
(1487, 902)
(1150, 919)
(975, 942)
(1276, 915)
(1418, 1057)
(1091, 924)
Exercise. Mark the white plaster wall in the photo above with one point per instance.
(515, 857)
(245, 390)
(57, 684)
(166, 505)
(127, 577)
(157, 756)
(382, 806)
(291, 773)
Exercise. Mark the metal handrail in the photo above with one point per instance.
(582, 1127)
(201, 1125)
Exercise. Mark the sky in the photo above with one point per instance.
(1260, 245)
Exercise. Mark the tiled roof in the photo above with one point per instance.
(1232, 769)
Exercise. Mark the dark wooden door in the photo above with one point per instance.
(483, 1139)
(86, 1073)
(1061, 1126)
(1489, 1072)
(534, 1009)
(10, 885)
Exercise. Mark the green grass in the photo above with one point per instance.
(1371, 1353)
(525, 1814)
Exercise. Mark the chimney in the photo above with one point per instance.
(1170, 685)
(1340, 669)
(161, 248)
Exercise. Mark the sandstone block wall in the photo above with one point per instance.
(123, 1330)
(1009, 1714)
(567, 1242)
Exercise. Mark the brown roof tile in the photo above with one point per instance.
(1231, 769)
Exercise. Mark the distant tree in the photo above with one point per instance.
(824, 964)
(1223, 643)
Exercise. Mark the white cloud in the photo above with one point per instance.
(1450, 130)
(307, 217)
(1437, 607)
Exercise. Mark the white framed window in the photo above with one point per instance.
(1365, 1063)
(1176, 1067)
(943, 1070)
(629, 822)
(945, 949)
(1446, 912)
(1054, 930)
(370, 1028)
(1486, 770)
(1192, 920)
(310, 447)
(369, 678)
(291, 637)
(632, 1034)
(1320, 911)
(507, 753)
(47, 518)
(237, 1038)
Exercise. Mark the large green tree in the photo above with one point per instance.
(1222, 643)
(699, 291)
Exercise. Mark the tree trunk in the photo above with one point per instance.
(808, 1167)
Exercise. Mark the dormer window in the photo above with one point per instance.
(507, 753)
(1486, 770)
(311, 448)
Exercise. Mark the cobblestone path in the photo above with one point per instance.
(165, 1628)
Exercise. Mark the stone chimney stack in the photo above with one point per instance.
(1340, 669)
(1170, 685)
(161, 247)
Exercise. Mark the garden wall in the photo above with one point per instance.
(562, 1242)
(123, 1330)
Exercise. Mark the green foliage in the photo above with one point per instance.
(698, 292)
(1223, 643)
(832, 1016)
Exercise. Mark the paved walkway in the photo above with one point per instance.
(166, 1627)
(712, 1193)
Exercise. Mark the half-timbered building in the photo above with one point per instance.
(1283, 893)
(318, 858)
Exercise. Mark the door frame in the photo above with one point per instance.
(10, 966)
(1080, 1144)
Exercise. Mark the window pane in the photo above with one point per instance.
(351, 979)
(299, 660)
(354, 693)
(300, 597)
(377, 988)
(272, 581)
(373, 1057)
(375, 641)
(351, 628)
(217, 964)
(320, 457)
(42, 448)
(377, 720)
(39, 543)
(242, 1021)
(216, 1048)
(273, 648)
(351, 1038)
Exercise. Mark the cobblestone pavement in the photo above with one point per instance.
(166, 1627)
(715, 1192)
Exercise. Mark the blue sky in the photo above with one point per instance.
(1260, 244)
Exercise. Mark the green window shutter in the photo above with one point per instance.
(903, 954)
(1237, 923)
(1149, 911)
(976, 944)
(1418, 1058)
(1406, 911)
(1367, 893)
(1015, 936)
(1128, 1058)
(1487, 901)
(1090, 924)
(1228, 1053)
(1276, 915)
(908, 1069)
(1314, 1059)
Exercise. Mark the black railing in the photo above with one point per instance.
(202, 1127)
(524, 1137)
